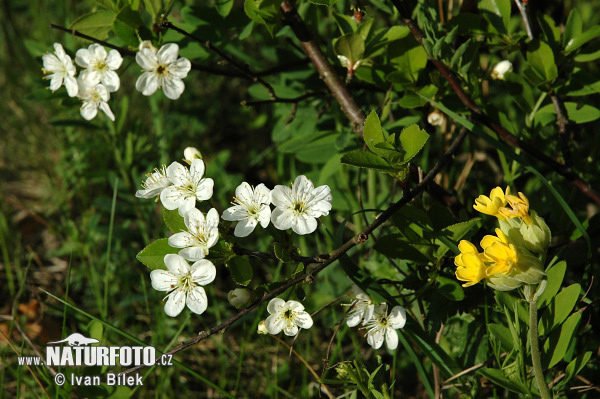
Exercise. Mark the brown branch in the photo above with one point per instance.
(328, 74)
(480, 117)
(334, 255)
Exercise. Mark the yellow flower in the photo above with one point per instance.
(491, 205)
(500, 253)
(519, 207)
(470, 266)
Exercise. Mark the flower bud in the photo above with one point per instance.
(536, 235)
(191, 153)
(262, 328)
(500, 69)
(436, 118)
(240, 297)
(147, 44)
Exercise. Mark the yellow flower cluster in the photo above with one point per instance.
(513, 256)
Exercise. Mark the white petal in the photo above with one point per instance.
(275, 305)
(290, 331)
(212, 217)
(162, 280)
(274, 324)
(147, 83)
(55, 82)
(194, 219)
(196, 300)
(168, 53)
(193, 253)
(280, 196)
(375, 339)
(82, 58)
(114, 59)
(175, 303)
(245, 227)
(146, 58)
(264, 216)
(111, 81)
(236, 212)
(181, 240)
(295, 305)
(176, 264)
(171, 198)
(244, 191)
(391, 338)
(180, 68)
(304, 225)
(261, 191)
(98, 51)
(397, 317)
(173, 88)
(353, 319)
(205, 189)
(178, 174)
(303, 320)
(106, 109)
(89, 110)
(71, 85)
(203, 272)
(282, 219)
(186, 205)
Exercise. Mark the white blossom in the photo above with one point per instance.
(154, 184)
(99, 66)
(183, 284)
(383, 326)
(162, 69)
(362, 308)
(191, 153)
(93, 97)
(250, 207)
(188, 186)
(286, 316)
(61, 69)
(500, 69)
(436, 118)
(202, 234)
(297, 208)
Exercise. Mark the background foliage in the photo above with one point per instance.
(71, 227)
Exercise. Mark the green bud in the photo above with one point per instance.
(536, 235)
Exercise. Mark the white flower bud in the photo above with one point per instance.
(239, 297)
(262, 328)
(191, 153)
(436, 118)
(148, 44)
(500, 69)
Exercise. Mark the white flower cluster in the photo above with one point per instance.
(288, 317)
(179, 188)
(296, 208)
(380, 324)
(162, 69)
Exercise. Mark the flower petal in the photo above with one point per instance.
(180, 68)
(304, 225)
(290, 330)
(177, 264)
(111, 81)
(203, 272)
(397, 317)
(181, 240)
(391, 338)
(173, 88)
(163, 280)
(303, 320)
(280, 197)
(205, 189)
(167, 53)
(146, 58)
(171, 197)
(193, 253)
(275, 306)
(274, 324)
(114, 59)
(147, 83)
(175, 303)
(282, 219)
(196, 300)
(245, 227)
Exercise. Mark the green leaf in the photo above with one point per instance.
(363, 159)
(126, 33)
(222, 251)
(130, 17)
(582, 39)
(581, 113)
(223, 7)
(96, 330)
(503, 335)
(372, 132)
(498, 378)
(96, 24)
(408, 57)
(173, 220)
(327, 3)
(541, 62)
(396, 246)
(557, 344)
(413, 139)
(497, 12)
(559, 309)
(450, 289)
(153, 256)
(453, 234)
(555, 276)
(264, 12)
(351, 46)
(447, 365)
(241, 270)
(576, 365)
(573, 28)
(153, 7)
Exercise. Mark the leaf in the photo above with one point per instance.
(173, 220)
(264, 12)
(497, 12)
(541, 62)
(450, 289)
(126, 33)
(153, 256)
(408, 58)
(241, 270)
(327, 3)
(503, 335)
(395, 246)
(576, 365)
(557, 344)
(351, 46)
(555, 276)
(413, 139)
(498, 378)
(95, 330)
(372, 132)
(363, 159)
(224, 7)
(96, 24)
(454, 233)
(573, 28)
(581, 113)
(582, 39)
(559, 309)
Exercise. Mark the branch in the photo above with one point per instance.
(321, 262)
(294, 100)
(485, 120)
(328, 74)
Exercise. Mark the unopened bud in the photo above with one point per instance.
(262, 328)
(500, 69)
(191, 153)
(436, 118)
(148, 44)
(240, 297)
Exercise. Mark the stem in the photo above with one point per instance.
(535, 349)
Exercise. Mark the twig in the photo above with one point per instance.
(522, 6)
(73, 32)
(244, 69)
(294, 100)
(482, 118)
(332, 256)
(263, 255)
(328, 74)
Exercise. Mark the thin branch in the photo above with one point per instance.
(324, 261)
(328, 74)
(73, 32)
(294, 100)
(240, 251)
(243, 68)
(522, 6)
(480, 117)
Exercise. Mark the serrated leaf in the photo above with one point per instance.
(281, 252)
(555, 276)
(557, 344)
(241, 270)
(408, 58)
(173, 220)
(264, 12)
(96, 24)
(153, 256)
(351, 46)
(372, 132)
(363, 159)
(559, 309)
(413, 139)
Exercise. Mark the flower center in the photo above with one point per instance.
(299, 208)
(288, 315)
(161, 70)
(186, 283)
(100, 66)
